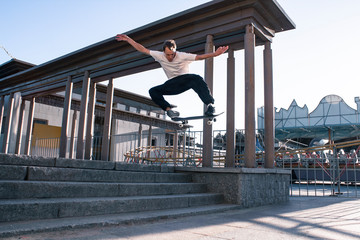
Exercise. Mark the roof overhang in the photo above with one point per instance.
(224, 19)
(13, 66)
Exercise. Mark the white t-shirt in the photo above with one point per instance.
(179, 65)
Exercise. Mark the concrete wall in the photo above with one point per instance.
(248, 187)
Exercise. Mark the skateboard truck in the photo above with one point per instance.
(185, 120)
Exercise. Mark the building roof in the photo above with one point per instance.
(13, 66)
(223, 19)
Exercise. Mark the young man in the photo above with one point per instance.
(176, 67)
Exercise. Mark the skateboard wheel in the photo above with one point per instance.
(181, 125)
(214, 119)
(209, 122)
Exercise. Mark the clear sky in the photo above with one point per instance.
(320, 57)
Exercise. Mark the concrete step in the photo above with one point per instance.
(10, 229)
(31, 173)
(24, 160)
(53, 193)
(33, 209)
(41, 189)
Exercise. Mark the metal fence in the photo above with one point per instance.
(47, 147)
(323, 170)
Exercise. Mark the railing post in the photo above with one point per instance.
(29, 127)
(90, 120)
(9, 114)
(83, 113)
(139, 135)
(72, 140)
(149, 139)
(20, 128)
(175, 145)
(149, 142)
(2, 101)
(107, 121)
(65, 118)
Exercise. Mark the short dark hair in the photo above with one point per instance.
(170, 44)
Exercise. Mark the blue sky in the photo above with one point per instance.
(320, 57)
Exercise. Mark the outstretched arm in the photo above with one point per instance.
(137, 46)
(218, 52)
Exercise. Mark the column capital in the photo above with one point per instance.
(249, 28)
(267, 45)
(209, 38)
(230, 53)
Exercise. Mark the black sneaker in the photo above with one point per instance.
(210, 110)
(172, 114)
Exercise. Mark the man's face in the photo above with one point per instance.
(169, 54)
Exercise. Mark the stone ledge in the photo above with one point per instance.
(247, 187)
(14, 159)
(232, 170)
(122, 166)
(9, 172)
(86, 164)
(38, 161)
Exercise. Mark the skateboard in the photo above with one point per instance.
(185, 120)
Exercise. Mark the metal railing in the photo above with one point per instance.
(323, 170)
(46, 147)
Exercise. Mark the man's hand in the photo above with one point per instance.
(218, 52)
(221, 50)
(121, 37)
(137, 46)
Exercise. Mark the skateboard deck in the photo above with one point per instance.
(184, 120)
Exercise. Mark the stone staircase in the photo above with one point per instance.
(46, 194)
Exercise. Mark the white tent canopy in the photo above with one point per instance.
(331, 113)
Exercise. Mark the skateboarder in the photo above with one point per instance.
(176, 67)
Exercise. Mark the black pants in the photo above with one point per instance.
(179, 85)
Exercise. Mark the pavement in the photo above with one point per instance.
(299, 218)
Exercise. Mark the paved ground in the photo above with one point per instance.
(300, 218)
